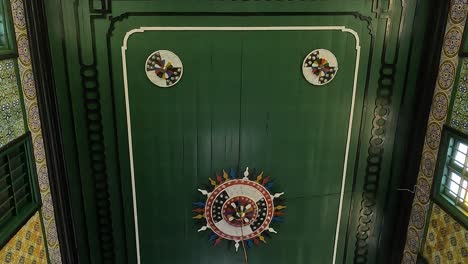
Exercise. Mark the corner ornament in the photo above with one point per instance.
(320, 67)
(163, 68)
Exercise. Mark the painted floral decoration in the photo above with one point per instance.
(164, 68)
(320, 67)
(239, 209)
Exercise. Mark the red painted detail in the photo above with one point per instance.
(266, 195)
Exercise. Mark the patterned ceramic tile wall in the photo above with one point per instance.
(446, 240)
(11, 111)
(27, 246)
(34, 125)
(459, 115)
(437, 118)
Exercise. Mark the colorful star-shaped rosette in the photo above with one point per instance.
(239, 209)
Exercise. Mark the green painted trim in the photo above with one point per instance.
(44, 236)
(426, 228)
(454, 92)
(421, 259)
(439, 198)
(10, 49)
(33, 178)
(21, 95)
(464, 45)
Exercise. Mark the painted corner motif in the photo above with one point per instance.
(320, 67)
(164, 68)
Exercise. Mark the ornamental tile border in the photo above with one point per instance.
(34, 124)
(438, 116)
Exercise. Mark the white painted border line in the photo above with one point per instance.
(296, 28)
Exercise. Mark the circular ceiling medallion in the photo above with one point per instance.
(164, 68)
(239, 209)
(320, 67)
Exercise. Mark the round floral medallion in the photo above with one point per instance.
(408, 258)
(43, 178)
(54, 254)
(458, 11)
(423, 190)
(47, 210)
(439, 106)
(418, 216)
(320, 67)
(51, 234)
(239, 208)
(446, 74)
(428, 164)
(433, 135)
(412, 240)
(39, 153)
(452, 41)
(23, 49)
(18, 14)
(29, 89)
(164, 68)
(34, 121)
(239, 211)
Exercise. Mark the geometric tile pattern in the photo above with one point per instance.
(34, 125)
(459, 113)
(437, 118)
(446, 240)
(27, 246)
(11, 110)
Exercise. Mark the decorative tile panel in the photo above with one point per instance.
(437, 118)
(459, 115)
(27, 246)
(446, 239)
(11, 113)
(34, 125)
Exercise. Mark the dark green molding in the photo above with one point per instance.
(78, 36)
(44, 236)
(411, 129)
(46, 92)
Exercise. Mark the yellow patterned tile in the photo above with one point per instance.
(27, 246)
(446, 239)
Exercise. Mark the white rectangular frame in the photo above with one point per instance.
(273, 28)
